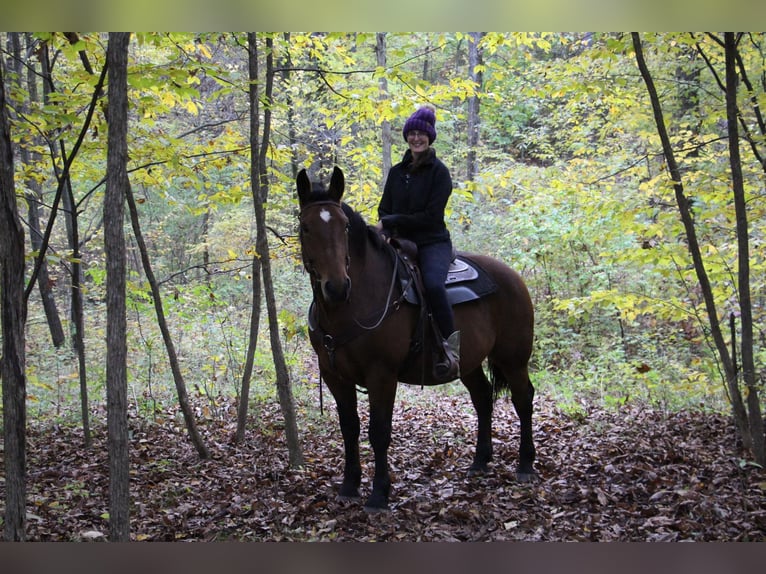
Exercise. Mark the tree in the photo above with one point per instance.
(178, 378)
(385, 126)
(33, 193)
(73, 230)
(754, 423)
(260, 189)
(114, 245)
(13, 313)
(64, 192)
(749, 422)
(475, 73)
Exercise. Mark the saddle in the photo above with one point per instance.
(466, 280)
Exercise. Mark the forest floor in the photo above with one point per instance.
(634, 474)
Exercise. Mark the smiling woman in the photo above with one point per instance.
(412, 207)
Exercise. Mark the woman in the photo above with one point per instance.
(412, 207)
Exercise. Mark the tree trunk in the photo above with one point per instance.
(476, 75)
(385, 127)
(73, 238)
(255, 311)
(291, 132)
(13, 319)
(743, 249)
(175, 367)
(730, 375)
(259, 183)
(114, 246)
(34, 192)
(252, 344)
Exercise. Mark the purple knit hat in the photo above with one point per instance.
(423, 120)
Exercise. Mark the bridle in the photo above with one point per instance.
(331, 342)
(310, 268)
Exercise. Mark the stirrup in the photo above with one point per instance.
(448, 369)
(453, 344)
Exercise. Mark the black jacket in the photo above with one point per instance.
(413, 201)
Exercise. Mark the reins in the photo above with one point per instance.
(332, 342)
(388, 305)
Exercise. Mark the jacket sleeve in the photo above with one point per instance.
(385, 205)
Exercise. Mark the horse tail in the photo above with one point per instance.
(498, 380)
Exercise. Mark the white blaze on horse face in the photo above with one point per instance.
(325, 215)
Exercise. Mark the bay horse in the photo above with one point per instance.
(362, 328)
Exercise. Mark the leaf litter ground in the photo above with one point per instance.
(635, 474)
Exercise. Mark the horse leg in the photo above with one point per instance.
(522, 393)
(345, 400)
(381, 412)
(481, 396)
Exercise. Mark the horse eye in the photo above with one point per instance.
(304, 228)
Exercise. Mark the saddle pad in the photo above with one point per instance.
(466, 281)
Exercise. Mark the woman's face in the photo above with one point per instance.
(418, 141)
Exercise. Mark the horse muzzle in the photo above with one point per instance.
(336, 291)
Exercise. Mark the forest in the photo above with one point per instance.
(158, 380)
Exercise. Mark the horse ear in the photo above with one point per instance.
(304, 187)
(337, 183)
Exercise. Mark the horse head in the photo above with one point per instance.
(324, 236)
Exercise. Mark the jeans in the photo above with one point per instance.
(434, 260)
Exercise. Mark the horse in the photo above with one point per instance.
(361, 328)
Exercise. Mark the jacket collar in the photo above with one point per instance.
(430, 157)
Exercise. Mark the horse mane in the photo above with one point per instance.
(359, 232)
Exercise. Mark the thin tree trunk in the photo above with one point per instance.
(61, 182)
(752, 96)
(73, 237)
(385, 126)
(34, 192)
(291, 132)
(13, 320)
(77, 313)
(116, 322)
(252, 344)
(259, 183)
(743, 248)
(475, 74)
(740, 414)
(175, 367)
(255, 310)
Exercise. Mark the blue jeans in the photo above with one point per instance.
(434, 260)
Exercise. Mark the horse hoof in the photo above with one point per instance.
(347, 498)
(348, 491)
(526, 477)
(477, 471)
(376, 503)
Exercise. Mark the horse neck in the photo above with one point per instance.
(371, 276)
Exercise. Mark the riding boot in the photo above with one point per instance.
(447, 368)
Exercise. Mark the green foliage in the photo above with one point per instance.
(572, 192)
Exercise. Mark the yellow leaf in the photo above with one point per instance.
(191, 107)
(204, 51)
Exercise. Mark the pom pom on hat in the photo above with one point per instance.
(424, 120)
